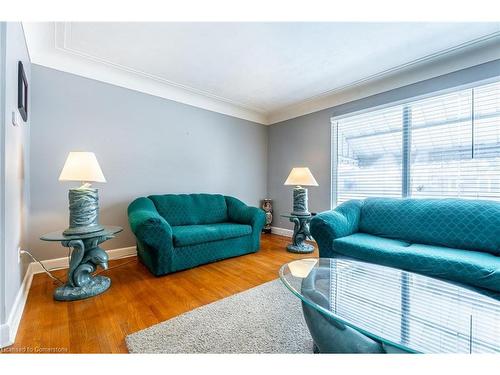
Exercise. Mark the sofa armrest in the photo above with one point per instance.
(330, 225)
(148, 225)
(239, 212)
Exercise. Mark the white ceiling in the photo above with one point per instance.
(264, 72)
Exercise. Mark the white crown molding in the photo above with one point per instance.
(8, 331)
(48, 46)
(44, 44)
(63, 34)
(463, 56)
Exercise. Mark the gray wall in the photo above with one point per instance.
(3, 330)
(148, 145)
(144, 144)
(15, 157)
(305, 141)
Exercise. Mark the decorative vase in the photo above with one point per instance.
(83, 212)
(300, 207)
(267, 206)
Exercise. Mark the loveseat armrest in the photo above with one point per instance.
(330, 225)
(148, 225)
(239, 212)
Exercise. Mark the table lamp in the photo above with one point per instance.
(83, 201)
(300, 177)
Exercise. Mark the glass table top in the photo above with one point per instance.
(290, 216)
(412, 312)
(59, 236)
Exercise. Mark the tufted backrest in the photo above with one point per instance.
(191, 209)
(458, 223)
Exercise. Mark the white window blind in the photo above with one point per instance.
(444, 146)
(441, 145)
(369, 158)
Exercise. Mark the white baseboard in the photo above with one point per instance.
(4, 335)
(282, 231)
(8, 331)
(61, 263)
(285, 232)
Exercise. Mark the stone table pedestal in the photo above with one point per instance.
(300, 234)
(86, 257)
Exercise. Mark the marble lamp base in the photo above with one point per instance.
(83, 211)
(300, 202)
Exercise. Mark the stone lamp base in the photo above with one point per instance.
(300, 202)
(83, 211)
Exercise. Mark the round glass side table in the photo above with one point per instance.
(85, 258)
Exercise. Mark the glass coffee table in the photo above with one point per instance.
(356, 307)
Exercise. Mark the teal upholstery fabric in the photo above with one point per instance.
(165, 247)
(148, 225)
(153, 233)
(239, 212)
(191, 209)
(459, 223)
(470, 267)
(182, 258)
(192, 256)
(329, 225)
(452, 239)
(194, 234)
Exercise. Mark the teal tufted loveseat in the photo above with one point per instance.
(453, 239)
(177, 232)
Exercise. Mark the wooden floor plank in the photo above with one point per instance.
(137, 300)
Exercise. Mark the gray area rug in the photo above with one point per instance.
(264, 319)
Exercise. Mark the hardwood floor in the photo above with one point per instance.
(137, 300)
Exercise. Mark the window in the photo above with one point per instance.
(444, 146)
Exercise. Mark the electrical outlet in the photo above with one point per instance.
(15, 118)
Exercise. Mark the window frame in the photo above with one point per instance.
(406, 132)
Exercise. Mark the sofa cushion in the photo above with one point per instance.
(367, 245)
(196, 234)
(466, 266)
(191, 209)
(456, 223)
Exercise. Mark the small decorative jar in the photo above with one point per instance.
(267, 206)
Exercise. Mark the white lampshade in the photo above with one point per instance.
(82, 166)
(301, 176)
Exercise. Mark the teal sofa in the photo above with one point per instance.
(453, 239)
(177, 232)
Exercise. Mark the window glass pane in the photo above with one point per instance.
(486, 163)
(441, 145)
(369, 155)
(453, 149)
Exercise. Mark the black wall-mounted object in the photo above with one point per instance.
(22, 92)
